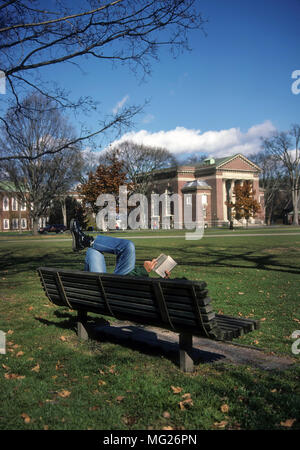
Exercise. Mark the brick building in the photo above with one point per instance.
(214, 180)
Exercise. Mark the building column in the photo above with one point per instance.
(224, 199)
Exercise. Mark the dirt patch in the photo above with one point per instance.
(279, 250)
(204, 350)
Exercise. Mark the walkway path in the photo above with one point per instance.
(181, 236)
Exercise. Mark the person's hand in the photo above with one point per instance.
(167, 274)
(149, 265)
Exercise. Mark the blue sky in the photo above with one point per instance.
(233, 87)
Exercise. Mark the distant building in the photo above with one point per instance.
(214, 179)
(14, 216)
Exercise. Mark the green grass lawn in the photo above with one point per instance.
(50, 380)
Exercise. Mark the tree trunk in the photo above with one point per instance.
(64, 210)
(35, 226)
(295, 207)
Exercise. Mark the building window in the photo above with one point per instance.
(188, 199)
(15, 224)
(5, 204)
(5, 224)
(23, 223)
(204, 199)
(23, 206)
(14, 204)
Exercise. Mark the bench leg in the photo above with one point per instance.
(81, 325)
(185, 348)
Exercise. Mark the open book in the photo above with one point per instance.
(164, 263)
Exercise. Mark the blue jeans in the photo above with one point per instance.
(122, 248)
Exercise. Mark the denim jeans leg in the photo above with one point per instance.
(122, 248)
(94, 261)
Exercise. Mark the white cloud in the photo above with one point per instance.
(120, 104)
(216, 143)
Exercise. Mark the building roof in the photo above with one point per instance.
(218, 162)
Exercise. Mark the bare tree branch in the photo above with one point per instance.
(130, 31)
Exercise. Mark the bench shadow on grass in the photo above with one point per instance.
(133, 337)
(16, 264)
(238, 260)
(187, 257)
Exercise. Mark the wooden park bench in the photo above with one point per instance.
(181, 306)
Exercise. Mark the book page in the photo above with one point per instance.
(164, 263)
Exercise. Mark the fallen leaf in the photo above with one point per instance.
(30, 308)
(101, 382)
(288, 423)
(26, 417)
(221, 424)
(9, 332)
(94, 408)
(241, 293)
(64, 393)
(5, 367)
(36, 368)
(63, 338)
(129, 420)
(187, 395)
(185, 404)
(225, 408)
(112, 369)
(13, 376)
(19, 354)
(263, 319)
(166, 415)
(58, 366)
(168, 428)
(120, 398)
(176, 390)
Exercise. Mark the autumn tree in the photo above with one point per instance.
(245, 205)
(35, 34)
(107, 179)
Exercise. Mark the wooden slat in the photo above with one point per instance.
(161, 304)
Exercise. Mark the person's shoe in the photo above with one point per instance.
(79, 239)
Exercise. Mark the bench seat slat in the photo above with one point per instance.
(245, 323)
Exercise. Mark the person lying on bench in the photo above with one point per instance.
(124, 250)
